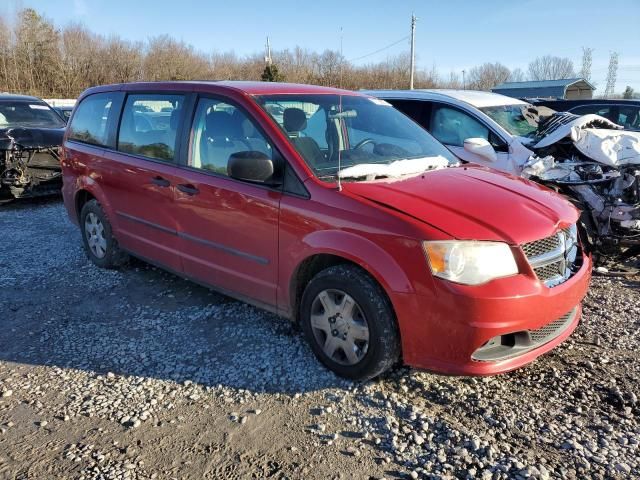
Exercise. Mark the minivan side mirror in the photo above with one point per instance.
(480, 147)
(250, 166)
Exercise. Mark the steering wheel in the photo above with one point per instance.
(363, 143)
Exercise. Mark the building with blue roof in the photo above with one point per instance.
(567, 88)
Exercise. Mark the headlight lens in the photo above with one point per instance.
(470, 262)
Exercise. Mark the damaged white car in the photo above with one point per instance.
(30, 141)
(588, 158)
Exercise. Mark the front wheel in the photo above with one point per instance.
(349, 323)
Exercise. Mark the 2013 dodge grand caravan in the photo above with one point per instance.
(333, 209)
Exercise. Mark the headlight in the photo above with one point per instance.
(470, 262)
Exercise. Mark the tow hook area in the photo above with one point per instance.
(510, 345)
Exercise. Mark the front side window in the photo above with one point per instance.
(219, 131)
(335, 132)
(91, 120)
(452, 126)
(149, 125)
(23, 113)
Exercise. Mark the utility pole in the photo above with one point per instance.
(464, 84)
(413, 50)
(267, 53)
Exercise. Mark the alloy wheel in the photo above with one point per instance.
(339, 326)
(94, 231)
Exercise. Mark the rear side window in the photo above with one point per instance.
(149, 125)
(414, 109)
(90, 123)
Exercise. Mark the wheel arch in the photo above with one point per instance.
(88, 189)
(322, 254)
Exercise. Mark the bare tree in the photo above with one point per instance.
(517, 75)
(487, 76)
(551, 68)
(168, 59)
(37, 58)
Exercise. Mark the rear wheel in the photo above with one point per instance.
(99, 244)
(349, 323)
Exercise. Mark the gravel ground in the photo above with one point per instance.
(139, 374)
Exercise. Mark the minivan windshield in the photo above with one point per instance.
(354, 137)
(520, 120)
(28, 114)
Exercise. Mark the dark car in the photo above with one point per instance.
(30, 144)
(333, 209)
(64, 112)
(623, 112)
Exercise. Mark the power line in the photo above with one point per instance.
(381, 49)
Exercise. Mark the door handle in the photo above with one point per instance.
(161, 182)
(188, 189)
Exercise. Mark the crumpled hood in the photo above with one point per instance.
(474, 203)
(30, 138)
(596, 137)
(561, 124)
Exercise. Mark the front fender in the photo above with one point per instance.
(371, 257)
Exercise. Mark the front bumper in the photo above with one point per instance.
(442, 332)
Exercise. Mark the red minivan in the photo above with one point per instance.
(334, 210)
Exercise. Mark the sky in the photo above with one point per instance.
(453, 35)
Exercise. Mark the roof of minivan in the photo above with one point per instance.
(473, 97)
(249, 87)
(266, 88)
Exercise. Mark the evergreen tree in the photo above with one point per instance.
(271, 74)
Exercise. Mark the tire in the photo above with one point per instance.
(96, 230)
(328, 298)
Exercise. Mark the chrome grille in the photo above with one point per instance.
(538, 247)
(553, 258)
(551, 330)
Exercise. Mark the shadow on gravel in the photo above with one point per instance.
(58, 309)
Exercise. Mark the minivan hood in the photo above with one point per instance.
(473, 203)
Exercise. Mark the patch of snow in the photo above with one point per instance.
(394, 169)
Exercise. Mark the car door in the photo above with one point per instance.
(228, 228)
(142, 174)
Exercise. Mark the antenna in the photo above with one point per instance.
(341, 59)
(339, 153)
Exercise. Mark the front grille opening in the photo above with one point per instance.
(510, 345)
